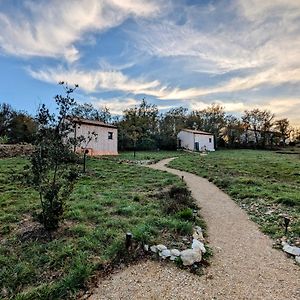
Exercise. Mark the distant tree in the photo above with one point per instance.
(138, 128)
(88, 111)
(53, 178)
(283, 126)
(210, 119)
(6, 115)
(260, 121)
(169, 125)
(295, 135)
(22, 128)
(233, 130)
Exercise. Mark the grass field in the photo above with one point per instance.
(149, 155)
(112, 199)
(265, 183)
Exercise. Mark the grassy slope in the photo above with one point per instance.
(266, 184)
(113, 199)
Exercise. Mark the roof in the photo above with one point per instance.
(91, 122)
(197, 131)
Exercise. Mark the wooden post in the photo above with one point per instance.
(86, 151)
(128, 240)
(286, 224)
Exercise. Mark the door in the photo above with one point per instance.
(196, 146)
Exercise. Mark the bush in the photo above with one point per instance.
(176, 199)
(185, 214)
(51, 176)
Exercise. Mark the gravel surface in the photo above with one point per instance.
(244, 265)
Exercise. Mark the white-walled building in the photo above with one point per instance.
(105, 140)
(196, 140)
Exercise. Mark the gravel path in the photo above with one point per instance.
(244, 265)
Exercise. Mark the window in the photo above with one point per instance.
(209, 139)
(110, 135)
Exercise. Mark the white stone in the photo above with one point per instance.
(175, 252)
(146, 247)
(165, 253)
(190, 256)
(291, 249)
(198, 236)
(198, 245)
(297, 258)
(172, 257)
(161, 247)
(198, 229)
(198, 233)
(153, 249)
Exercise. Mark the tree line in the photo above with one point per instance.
(143, 127)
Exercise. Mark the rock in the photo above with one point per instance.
(161, 247)
(297, 259)
(190, 256)
(198, 245)
(198, 236)
(172, 257)
(146, 247)
(175, 252)
(198, 233)
(153, 249)
(165, 253)
(198, 229)
(291, 249)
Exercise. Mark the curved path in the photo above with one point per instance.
(244, 266)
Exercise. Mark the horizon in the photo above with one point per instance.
(239, 54)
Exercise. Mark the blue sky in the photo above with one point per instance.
(238, 53)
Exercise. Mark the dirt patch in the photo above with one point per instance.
(15, 150)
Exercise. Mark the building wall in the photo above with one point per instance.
(100, 145)
(188, 140)
(206, 141)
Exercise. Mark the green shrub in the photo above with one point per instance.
(176, 199)
(185, 214)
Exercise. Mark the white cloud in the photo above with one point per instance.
(96, 81)
(116, 106)
(51, 28)
(257, 10)
(260, 35)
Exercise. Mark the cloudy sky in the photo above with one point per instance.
(239, 53)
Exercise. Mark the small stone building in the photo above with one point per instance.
(105, 140)
(196, 140)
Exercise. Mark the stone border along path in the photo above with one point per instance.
(244, 265)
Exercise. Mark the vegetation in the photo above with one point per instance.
(51, 175)
(15, 127)
(111, 199)
(266, 184)
(148, 155)
(143, 127)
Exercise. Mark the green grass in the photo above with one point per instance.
(265, 183)
(112, 199)
(149, 155)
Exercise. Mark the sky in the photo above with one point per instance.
(242, 54)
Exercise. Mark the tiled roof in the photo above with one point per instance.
(91, 122)
(197, 131)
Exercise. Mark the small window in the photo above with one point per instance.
(209, 139)
(110, 135)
